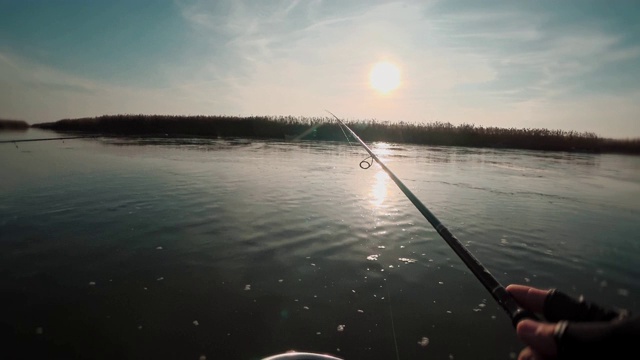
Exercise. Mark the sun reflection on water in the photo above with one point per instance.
(380, 188)
(381, 185)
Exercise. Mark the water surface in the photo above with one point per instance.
(239, 249)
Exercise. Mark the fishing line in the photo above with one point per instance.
(365, 164)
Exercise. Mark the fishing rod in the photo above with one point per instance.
(497, 291)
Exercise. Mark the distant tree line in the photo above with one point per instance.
(6, 124)
(324, 128)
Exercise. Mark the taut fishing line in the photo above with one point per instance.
(365, 164)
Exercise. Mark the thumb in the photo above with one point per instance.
(539, 336)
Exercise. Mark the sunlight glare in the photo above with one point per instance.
(384, 77)
(379, 190)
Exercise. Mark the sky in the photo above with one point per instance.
(568, 65)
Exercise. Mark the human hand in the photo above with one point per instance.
(575, 329)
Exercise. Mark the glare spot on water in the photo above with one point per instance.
(381, 247)
(92, 283)
(482, 305)
(139, 327)
(391, 266)
(603, 283)
(305, 307)
(360, 311)
(527, 280)
(407, 260)
(160, 278)
(448, 311)
(280, 280)
(196, 323)
(353, 291)
(39, 330)
(440, 282)
(512, 355)
(202, 357)
(373, 257)
(402, 246)
(312, 264)
(623, 292)
(247, 287)
(159, 248)
(341, 328)
(424, 341)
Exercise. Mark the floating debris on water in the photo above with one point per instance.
(402, 246)
(280, 280)
(353, 291)
(39, 330)
(247, 287)
(623, 292)
(440, 282)
(202, 357)
(318, 333)
(196, 323)
(360, 311)
(159, 248)
(160, 278)
(92, 283)
(373, 257)
(139, 327)
(341, 327)
(381, 246)
(312, 264)
(407, 260)
(424, 341)
(305, 307)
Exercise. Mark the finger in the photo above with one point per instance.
(528, 354)
(528, 297)
(539, 336)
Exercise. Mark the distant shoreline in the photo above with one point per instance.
(9, 125)
(288, 127)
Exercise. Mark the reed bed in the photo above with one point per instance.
(325, 128)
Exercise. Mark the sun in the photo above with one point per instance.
(384, 77)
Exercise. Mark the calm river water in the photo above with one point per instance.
(235, 249)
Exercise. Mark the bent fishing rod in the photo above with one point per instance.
(497, 291)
